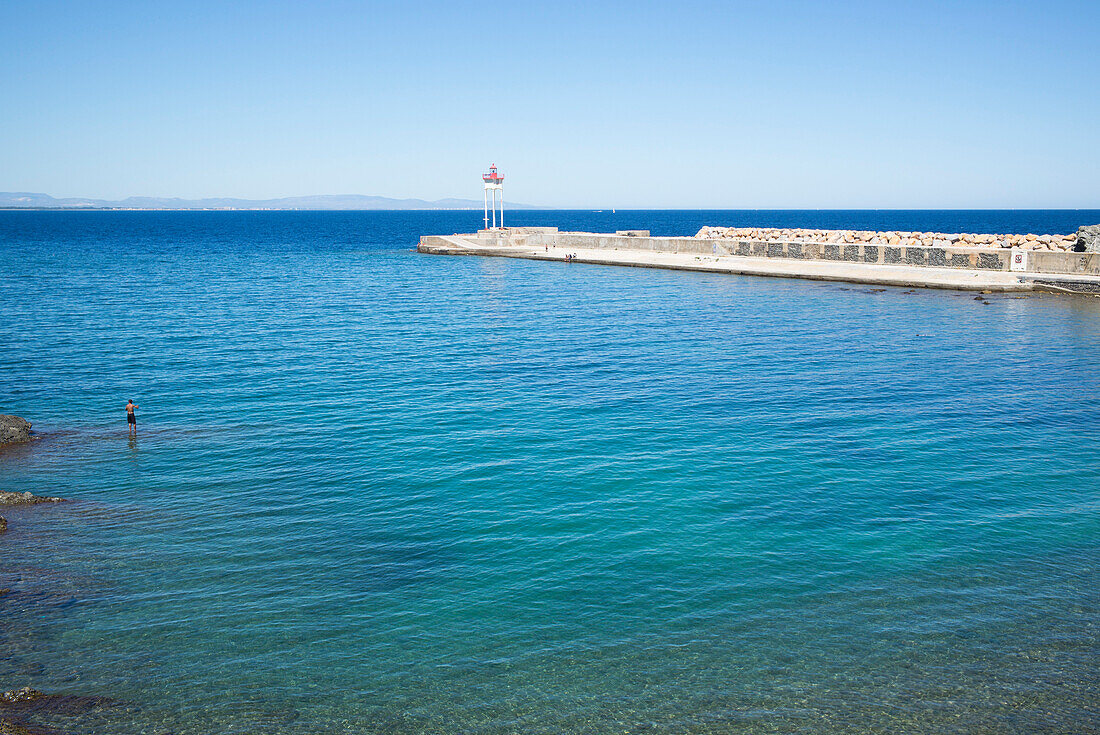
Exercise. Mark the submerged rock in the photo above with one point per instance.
(1088, 239)
(18, 696)
(14, 429)
(15, 727)
(27, 700)
(7, 498)
(3, 524)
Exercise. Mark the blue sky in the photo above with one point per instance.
(588, 104)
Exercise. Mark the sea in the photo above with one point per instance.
(373, 491)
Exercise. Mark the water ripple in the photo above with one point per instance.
(380, 492)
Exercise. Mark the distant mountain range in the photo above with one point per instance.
(28, 200)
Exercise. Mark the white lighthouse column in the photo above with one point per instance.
(502, 207)
(486, 198)
(494, 209)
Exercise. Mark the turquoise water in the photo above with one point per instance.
(379, 492)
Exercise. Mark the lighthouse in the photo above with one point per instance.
(494, 182)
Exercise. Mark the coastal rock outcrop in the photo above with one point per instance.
(1088, 239)
(14, 429)
(7, 498)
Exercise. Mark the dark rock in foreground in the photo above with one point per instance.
(7, 498)
(25, 701)
(3, 524)
(12, 700)
(18, 705)
(14, 429)
(1088, 239)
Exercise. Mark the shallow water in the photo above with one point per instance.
(374, 491)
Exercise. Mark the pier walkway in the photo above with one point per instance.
(690, 254)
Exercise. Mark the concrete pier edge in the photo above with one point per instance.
(961, 268)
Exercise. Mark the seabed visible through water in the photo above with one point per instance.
(374, 491)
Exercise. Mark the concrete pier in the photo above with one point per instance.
(963, 268)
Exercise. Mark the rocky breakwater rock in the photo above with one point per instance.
(1088, 239)
(14, 429)
(895, 238)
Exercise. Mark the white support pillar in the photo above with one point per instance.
(502, 207)
(486, 198)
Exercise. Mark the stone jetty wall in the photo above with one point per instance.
(866, 248)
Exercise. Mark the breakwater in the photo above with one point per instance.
(1079, 241)
(902, 259)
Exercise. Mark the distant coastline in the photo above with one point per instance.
(242, 209)
(324, 202)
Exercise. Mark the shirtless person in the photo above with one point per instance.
(131, 419)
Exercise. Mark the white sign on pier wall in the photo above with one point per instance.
(1019, 260)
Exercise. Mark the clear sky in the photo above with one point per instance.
(590, 104)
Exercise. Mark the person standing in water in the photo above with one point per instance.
(131, 419)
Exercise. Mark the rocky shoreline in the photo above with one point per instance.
(10, 499)
(15, 430)
(20, 708)
(1086, 239)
